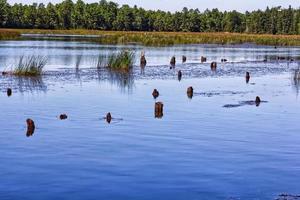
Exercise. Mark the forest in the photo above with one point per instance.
(107, 15)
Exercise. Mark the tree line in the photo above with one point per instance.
(106, 15)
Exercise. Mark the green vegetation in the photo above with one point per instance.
(122, 60)
(171, 38)
(8, 34)
(30, 66)
(106, 15)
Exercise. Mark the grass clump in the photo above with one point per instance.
(30, 66)
(8, 34)
(122, 60)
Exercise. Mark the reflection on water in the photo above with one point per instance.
(22, 84)
(124, 80)
(296, 79)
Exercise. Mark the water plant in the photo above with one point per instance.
(122, 60)
(30, 66)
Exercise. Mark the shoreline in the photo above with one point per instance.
(156, 38)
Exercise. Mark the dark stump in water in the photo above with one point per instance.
(108, 117)
(179, 75)
(183, 59)
(247, 77)
(223, 60)
(30, 127)
(257, 101)
(190, 92)
(9, 92)
(213, 66)
(155, 93)
(143, 61)
(63, 117)
(173, 61)
(203, 59)
(159, 110)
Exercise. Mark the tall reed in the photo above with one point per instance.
(122, 60)
(30, 66)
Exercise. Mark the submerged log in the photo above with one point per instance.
(190, 92)
(9, 92)
(155, 93)
(30, 127)
(159, 110)
(63, 117)
(183, 59)
(203, 59)
(247, 77)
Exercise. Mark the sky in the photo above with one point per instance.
(177, 5)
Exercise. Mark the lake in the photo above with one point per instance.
(215, 145)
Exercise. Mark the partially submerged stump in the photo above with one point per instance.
(213, 66)
(173, 61)
(108, 117)
(183, 59)
(143, 60)
(179, 75)
(203, 59)
(257, 101)
(155, 93)
(159, 110)
(190, 92)
(63, 116)
(247, 77)
(30, 127)
(9, 92)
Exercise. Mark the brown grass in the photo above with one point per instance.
(171, 38)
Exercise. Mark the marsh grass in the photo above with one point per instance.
(172, 38)
(8, 34)
(30, 66)
(122, 60)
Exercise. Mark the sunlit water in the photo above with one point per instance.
(199, 149)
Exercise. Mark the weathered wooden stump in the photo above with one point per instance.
(155, 93)
(9, 92)
(190, 92)
(159, 110)
(108, 117)
(30, 127)
(257, 101)
(173, 61)
(247, 77)
(203, 59)
(179, 75)
(63, 116)
(213, 66)
(183, 59)
(143, 60)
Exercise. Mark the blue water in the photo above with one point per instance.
(198, 150)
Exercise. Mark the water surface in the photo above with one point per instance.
(198, 150)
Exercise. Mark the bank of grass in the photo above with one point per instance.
(30, 66)
(6, 34)
(171, 38)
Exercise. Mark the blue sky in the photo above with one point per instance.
(173, 5)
